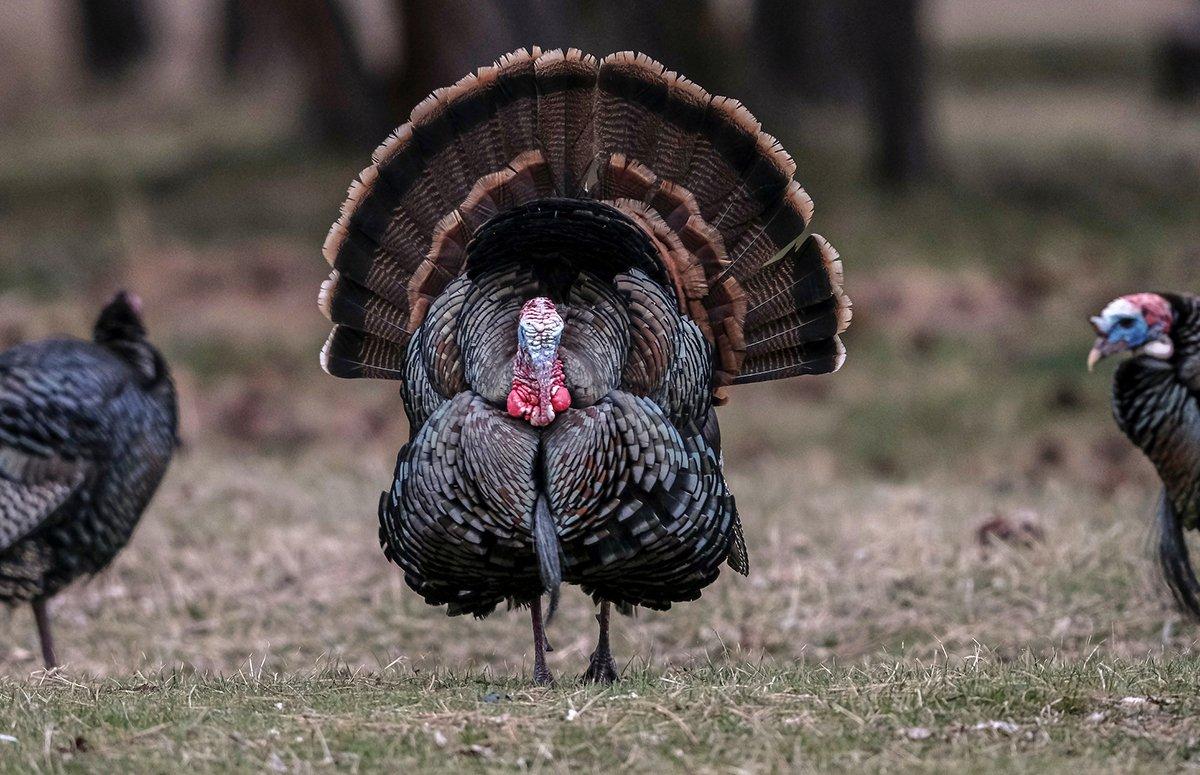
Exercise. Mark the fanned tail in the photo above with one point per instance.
(712, 192)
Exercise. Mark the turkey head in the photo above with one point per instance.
(1139, 322)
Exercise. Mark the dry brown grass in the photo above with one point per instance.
(245, 560)
(254, 625)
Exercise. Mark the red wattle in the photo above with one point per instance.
(514, 405)
(537, 398)
(561, 399)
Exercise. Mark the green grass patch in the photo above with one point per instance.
(1026, 715)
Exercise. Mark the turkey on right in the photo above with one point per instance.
(1156, 403)
(565, 262)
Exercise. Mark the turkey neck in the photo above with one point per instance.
(1157, 405)
(149, 368)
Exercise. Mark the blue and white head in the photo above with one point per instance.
(1139, 323)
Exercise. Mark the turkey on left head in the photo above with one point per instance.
(565, 262)
(87, 430)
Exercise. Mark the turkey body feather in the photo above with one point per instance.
(633, 484)
(83, 447)
(660, 230)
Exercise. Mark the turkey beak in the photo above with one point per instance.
(1100, 348)
(1103, 348)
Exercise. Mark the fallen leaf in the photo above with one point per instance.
(482, 751)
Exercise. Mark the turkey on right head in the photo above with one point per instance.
(564, 262)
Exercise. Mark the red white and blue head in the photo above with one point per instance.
(539, 390)
(1138, 323)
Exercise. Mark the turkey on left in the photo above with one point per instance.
(87, 430)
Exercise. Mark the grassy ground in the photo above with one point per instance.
(254, 624)
(1024, 716)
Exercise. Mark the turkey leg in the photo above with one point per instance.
(602, 669)
(42, 617)
(541, 673)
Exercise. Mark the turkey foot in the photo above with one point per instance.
(602, 669)
(541, 673)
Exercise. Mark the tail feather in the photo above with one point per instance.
(566, 85)
(405, 185)
(739, 558)
(722, 154)
(712, 191)
(351, 354)
(762, 240)
(516, 103)
(683, 112)
(367, 230)
(347, 303)
(796, 313)
(810, 324)
(820, 357)
(631, 95)
(447, 165)
(471, 110)
(1175, 559)
(797, 280)
(624, 177)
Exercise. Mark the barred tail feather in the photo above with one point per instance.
(566, 84)
(796, 313)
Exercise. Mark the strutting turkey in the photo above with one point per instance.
(564, 262)
(1156, 402)
(87, 430)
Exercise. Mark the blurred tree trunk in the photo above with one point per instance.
(847, 51)
(895, 73)
(445, 39)
(345, 102)
(801, 50)
(441, 41)
(115, 35)
(1178, 55)
(681, 34)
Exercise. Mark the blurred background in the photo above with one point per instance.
(992, 171)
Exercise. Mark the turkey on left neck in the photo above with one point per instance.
(120, 330)
(538, 391)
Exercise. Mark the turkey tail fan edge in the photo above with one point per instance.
(796, 315)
